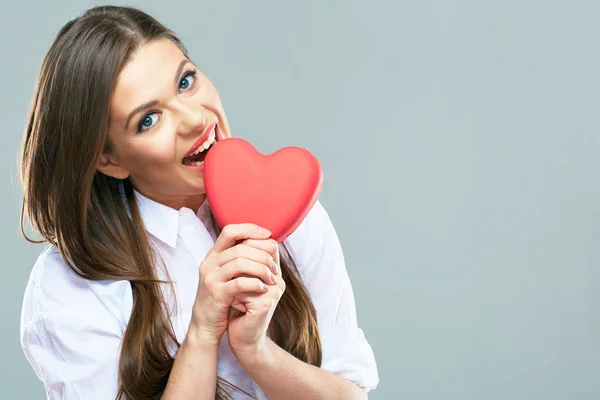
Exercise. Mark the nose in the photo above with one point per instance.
(192, 119)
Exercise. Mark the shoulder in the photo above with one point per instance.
(46, 286)
(314, 239)
(300, 238)
(55, 289)
(51, 279)
(70, 329)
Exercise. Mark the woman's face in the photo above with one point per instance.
(163, 108)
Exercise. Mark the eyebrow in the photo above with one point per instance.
(154, 102)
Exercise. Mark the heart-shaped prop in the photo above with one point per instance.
(275, 191)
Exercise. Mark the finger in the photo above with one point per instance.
(235, 232)
(268, 245)
(239, 266)
(248, 252)
(244, 285)
(239, 306)
(250, 300)
(234, 312)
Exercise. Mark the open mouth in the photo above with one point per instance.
(200, 150)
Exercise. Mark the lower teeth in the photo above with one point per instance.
(193, 163)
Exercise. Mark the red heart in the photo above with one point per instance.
(274, 191)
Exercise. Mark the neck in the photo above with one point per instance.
(192, 202)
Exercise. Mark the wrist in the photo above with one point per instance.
(257, 357)
(198, 337)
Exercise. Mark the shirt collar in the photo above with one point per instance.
(160, 221)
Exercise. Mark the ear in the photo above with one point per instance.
(108, 165)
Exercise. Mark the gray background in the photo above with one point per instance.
(460, 145)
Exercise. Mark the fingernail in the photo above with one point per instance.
(273, 279)
(264, 231)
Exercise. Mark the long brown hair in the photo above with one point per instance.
(94, 220)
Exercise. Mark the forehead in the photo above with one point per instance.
(149, 73)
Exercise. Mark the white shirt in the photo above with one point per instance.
(71, 328)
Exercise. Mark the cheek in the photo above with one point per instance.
(152, 151)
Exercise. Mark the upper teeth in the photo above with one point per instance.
(206, 144)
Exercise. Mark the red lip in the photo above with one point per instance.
(201, 139)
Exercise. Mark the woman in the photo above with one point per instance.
(140, 294)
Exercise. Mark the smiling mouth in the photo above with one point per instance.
(197, 156)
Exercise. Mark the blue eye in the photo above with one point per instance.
(147, 122)
(187, 81)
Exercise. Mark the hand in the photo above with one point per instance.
(247, 331)
(228, 270)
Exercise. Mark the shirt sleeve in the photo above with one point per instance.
(318, 253)
(69, 335)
